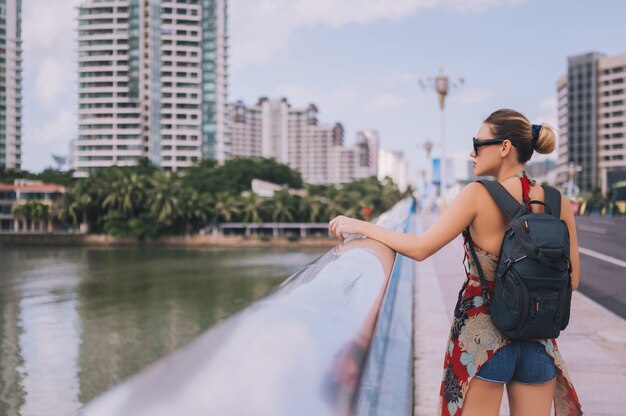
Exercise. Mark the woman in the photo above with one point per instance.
(479, 360)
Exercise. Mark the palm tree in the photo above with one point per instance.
(225, 207)
(332, 208)
(282, 207)
(28, 215)
(312, 208)
(194, 208)
(163, 200)
(40, 211)
(18, 217)
(251, 206)
(126, 194)
(65, 209)
(85, 201)
(47, 217)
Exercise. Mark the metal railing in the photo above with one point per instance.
(333, 339)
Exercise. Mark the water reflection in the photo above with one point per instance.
(76, 321)
(11, 375)
(297, 352)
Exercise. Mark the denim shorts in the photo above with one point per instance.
(523, 361)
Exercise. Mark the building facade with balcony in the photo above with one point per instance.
(152, 83)
(592, 121)
(11, 84)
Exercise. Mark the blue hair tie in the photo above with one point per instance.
(536, 130)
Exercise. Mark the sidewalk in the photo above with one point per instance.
(593, 346)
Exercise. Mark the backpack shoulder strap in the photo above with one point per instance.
(503, 198)
(552, 199)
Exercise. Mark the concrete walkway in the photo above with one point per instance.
(593, 346)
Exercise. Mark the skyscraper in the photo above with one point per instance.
(10, 84)
(152, 83)
(592, 120)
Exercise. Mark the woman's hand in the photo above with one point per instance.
(342, 226)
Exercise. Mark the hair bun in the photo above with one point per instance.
(546, 142)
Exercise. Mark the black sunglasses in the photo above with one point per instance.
(478, 143)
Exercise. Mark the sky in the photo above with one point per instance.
(359, 61)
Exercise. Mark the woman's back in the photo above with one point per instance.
(490, 223)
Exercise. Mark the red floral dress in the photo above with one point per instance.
(474, 339)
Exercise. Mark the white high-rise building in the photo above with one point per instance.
(152, 83)
(10, 84)
(392, 163)
(294, 136)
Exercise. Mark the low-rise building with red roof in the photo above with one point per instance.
(20, 192)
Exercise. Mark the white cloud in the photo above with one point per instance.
(52, 80)
(384, 102)
(478, 6)
(49, 26)
(473, 96)
(398, 76)
(59, 128)
(259, 29)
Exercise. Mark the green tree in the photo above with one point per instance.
(196, 209)
(163, 199)
(235, 175)
(19, 212)
(283, 207)
(225, 207)
(251, 207)
(125, 194)
(312, 209)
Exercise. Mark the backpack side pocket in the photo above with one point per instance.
(509, 305)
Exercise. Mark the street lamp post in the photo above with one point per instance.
(572, 189)
(428, 147)
(441, 84)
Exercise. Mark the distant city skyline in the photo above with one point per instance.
(358, 61)
(295, 136)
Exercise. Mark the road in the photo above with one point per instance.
(602, 242)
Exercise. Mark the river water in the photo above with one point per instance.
(76, 321)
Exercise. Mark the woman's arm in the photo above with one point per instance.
(451, 223)
(568, 216)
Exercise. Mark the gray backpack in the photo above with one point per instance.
(533, 290)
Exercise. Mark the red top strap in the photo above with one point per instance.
(526, 190)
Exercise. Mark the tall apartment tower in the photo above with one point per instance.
(10, 84)
(592, 120)
(152, 83)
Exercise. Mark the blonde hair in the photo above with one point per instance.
(514, 126)
(546, 141)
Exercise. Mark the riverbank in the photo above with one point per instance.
(100, 240)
